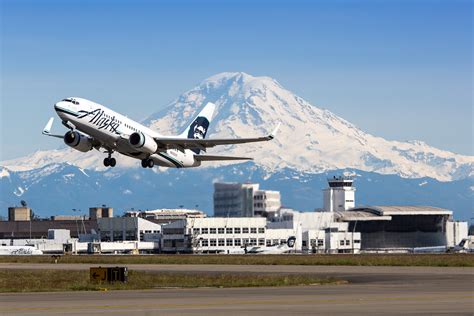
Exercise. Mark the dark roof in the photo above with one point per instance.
(39, 228)
(384, 213)
(403, 210)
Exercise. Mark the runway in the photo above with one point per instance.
(372, 290)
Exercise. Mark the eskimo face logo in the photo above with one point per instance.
(198, 129)
(291, 242)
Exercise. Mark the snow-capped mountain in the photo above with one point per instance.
(58, 188)
(311, 145)
(310, 140)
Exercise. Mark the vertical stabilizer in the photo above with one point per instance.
(200, 124)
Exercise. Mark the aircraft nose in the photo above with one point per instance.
(57, 105)
(61, 108)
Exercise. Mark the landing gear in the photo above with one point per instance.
(109, 161)
(148, 163)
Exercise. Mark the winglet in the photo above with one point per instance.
(47, 128)
(272, 134)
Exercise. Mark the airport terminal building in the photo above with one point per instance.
(338, 227)
(221, 235)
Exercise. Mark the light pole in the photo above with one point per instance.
(77, 227)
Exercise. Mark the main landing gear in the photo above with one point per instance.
(109, 161)
(148, 163)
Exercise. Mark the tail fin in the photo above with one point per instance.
(291, 241)
(199, 126)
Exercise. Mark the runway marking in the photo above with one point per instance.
(236, 302)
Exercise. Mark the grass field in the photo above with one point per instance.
(54, 280)
(433, 260)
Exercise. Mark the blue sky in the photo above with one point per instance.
(397, 69)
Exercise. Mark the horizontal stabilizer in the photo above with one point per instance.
(218, 158)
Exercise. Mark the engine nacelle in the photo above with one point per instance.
(143, 143)
(78, 141)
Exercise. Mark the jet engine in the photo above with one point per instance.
(143, 143)
(78, 141)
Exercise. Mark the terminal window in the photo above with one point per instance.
(212, 242)
(220, 230)
(196, 230)
(118, 235)
(228, 230)
(245, 230)
(173, 231)
(205, 231)
(237, 230)
(221, 242)
(237, 242)
(253, 230)
(261, 241)
(245, 241)
(204, 242)
(261, 230)
(130, 235)
(253, 241)
(228, 242)
(105, 236)
(212, 230)
(269, 242)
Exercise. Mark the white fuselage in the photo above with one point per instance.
(19, 250)
(271, 250)
(109, 128)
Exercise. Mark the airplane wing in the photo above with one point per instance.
(190, 143)
(218, 158)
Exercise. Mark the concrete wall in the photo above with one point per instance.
(126, 228)
(455, 232)
(19, 214)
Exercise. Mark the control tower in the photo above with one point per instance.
(340, 196)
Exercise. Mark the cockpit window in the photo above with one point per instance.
(72, 101)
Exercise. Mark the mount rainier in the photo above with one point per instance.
(311, 144)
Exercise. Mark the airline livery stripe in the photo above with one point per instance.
(172, 160)
(66, 111)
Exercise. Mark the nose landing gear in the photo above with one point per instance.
(148, 163)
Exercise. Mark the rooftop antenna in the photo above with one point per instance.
(23, 203)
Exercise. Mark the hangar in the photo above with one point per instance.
(402, 227)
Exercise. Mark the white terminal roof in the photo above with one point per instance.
(381, 213)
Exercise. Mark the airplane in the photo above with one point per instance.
(266, 250)
(92, 125)
(19, 250)
(272, 250)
